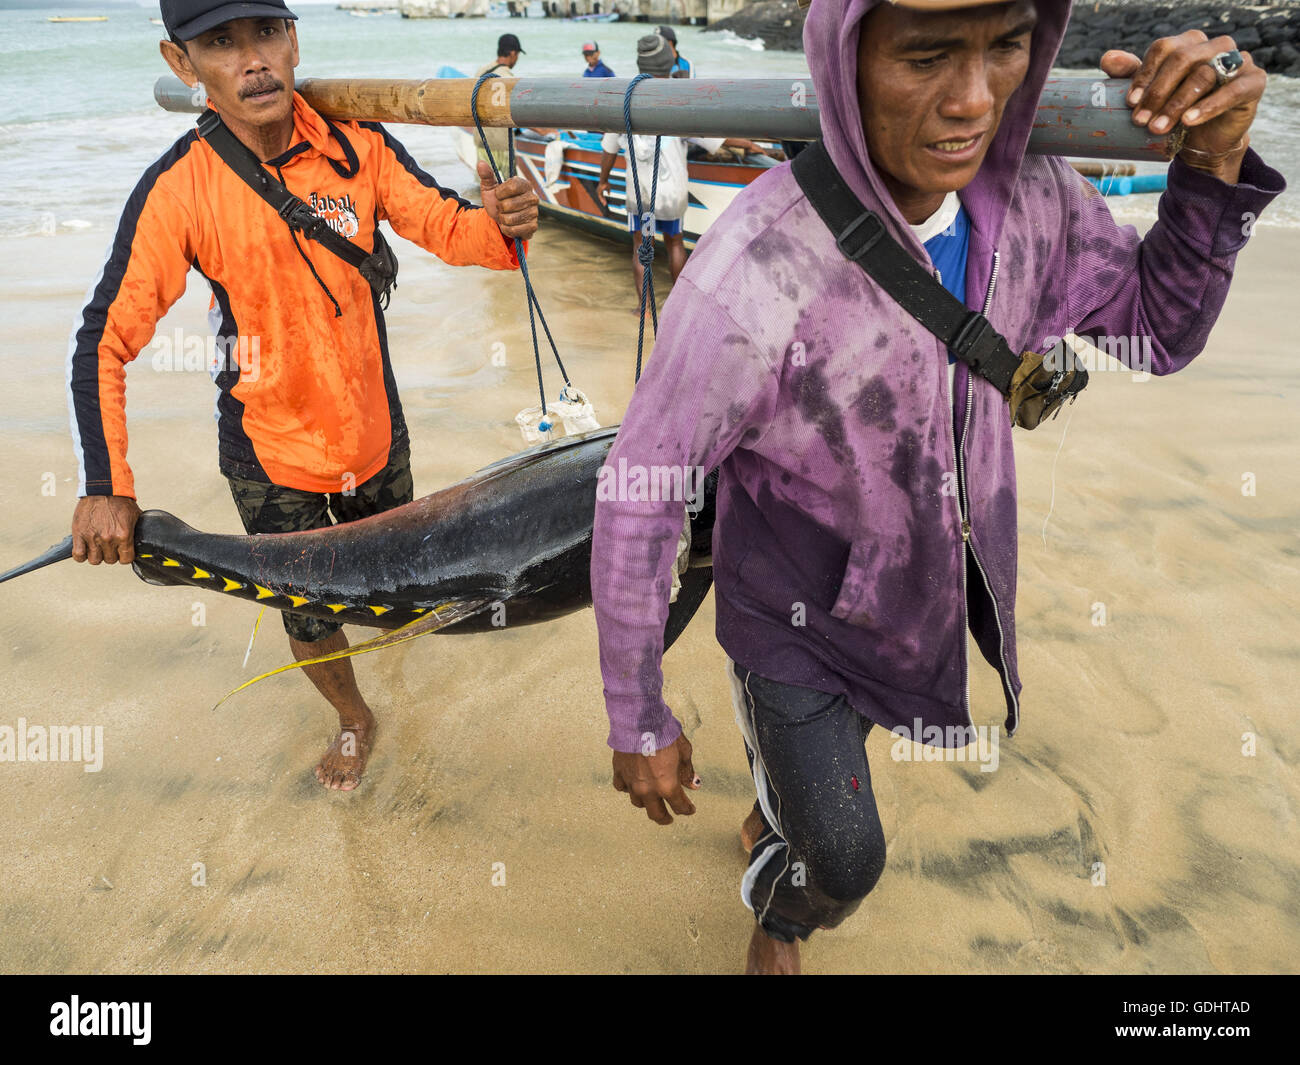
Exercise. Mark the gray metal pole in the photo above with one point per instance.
(1076, 116)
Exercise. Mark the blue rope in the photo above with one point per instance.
(519, 251)
(646, 253)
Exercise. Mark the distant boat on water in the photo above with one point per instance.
(76, 18)
(565, 172)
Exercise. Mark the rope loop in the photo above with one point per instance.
(533, 304)
(646, 252)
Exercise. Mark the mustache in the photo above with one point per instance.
(260, 85)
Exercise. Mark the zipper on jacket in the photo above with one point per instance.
(964, 509)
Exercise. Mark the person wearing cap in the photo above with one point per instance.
(498, 137)
(671, 193)
(866, 493)
(595, 67)
(309, 422)
(681, 67)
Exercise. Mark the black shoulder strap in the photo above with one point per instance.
(861, 236)
(248, 168)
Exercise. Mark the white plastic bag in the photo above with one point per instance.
(553, 164)
(683, 560)
(671, 192)
(572, 413)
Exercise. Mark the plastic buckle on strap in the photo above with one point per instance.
(875, 231)
(299, 216)
(208, 121)
(975, 341)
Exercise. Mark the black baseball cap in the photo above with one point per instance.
(508, 43)
(186, 19)
(666, 32)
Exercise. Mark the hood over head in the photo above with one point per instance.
(830, 38)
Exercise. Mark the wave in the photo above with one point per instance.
(754, 44)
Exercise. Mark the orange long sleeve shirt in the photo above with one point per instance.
(306, 397)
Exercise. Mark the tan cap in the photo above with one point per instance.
(944, 5)
(931, 5)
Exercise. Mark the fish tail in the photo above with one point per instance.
(57, 553)
(438, 618)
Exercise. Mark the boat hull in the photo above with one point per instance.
(570, 198)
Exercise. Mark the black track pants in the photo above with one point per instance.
(822, 848)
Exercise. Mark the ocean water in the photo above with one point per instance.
(78, 124)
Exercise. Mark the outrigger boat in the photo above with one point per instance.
(564, 172)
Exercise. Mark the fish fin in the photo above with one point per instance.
(439, 618)
(696, 583)
(57, 553)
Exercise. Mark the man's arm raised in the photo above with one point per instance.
(436, 218)
(1165, 291)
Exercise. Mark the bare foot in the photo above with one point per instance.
(750, 829)
(771, 957)
(341, 766)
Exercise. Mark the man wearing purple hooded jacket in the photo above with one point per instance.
(866, 507)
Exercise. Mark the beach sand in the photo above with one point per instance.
(491, 760)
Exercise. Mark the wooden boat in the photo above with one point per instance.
(76, 18)
(566, 171)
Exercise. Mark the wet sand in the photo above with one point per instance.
(491, 747)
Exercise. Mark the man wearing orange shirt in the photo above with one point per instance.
(312, 427)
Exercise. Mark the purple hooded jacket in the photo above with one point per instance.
(838, 552)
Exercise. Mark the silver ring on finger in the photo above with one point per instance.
(1226, 66)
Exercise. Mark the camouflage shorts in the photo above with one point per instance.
(272, 508)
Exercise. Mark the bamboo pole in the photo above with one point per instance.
(1076, 116)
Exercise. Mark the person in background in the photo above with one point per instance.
(754, 154)
(595, 68)
(655, 57)
(508, 52)
(681, 66)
